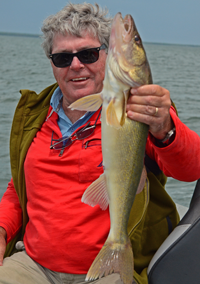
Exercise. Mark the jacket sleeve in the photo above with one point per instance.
(10, 212)
(180, 159)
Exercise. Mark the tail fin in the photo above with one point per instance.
(113, 258)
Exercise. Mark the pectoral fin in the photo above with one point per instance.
(111, 116)
(97, 193)
(116, 111)
(88, 103)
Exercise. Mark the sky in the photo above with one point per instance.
(158, 21)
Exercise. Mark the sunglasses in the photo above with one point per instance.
(62, 143)
(86, 56)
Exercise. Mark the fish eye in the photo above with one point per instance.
(137, 39)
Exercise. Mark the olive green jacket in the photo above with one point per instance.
(153, 214)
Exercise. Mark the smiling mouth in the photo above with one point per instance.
(79, 79)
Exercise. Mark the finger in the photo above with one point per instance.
(159, 125)
(146, 109)
(149, 95)
(153, 90)
(146, 101)
(148, 119)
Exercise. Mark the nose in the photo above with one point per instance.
(76, 64)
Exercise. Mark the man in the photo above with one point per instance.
(42, 205)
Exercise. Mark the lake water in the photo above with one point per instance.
(25, 66)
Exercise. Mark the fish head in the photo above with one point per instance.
(126, 48)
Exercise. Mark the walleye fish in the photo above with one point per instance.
(123, 146)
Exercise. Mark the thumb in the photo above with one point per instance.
(2, 245)
(2, 249)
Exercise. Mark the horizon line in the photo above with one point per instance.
(40, 35)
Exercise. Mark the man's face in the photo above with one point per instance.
(78, 79)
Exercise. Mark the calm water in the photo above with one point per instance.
(24, 66)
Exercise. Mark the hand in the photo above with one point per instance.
(150, 104)
(2, 244)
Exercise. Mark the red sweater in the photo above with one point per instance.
(64, 234)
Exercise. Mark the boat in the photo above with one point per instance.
(177, 261)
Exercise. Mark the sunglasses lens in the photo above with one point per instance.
(88, 56)
(62, 144)
(62, 59)
(85, 133)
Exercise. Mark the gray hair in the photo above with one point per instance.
(75, 19)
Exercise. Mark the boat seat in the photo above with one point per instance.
(177, 261)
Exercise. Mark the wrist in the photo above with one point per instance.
(167, 140)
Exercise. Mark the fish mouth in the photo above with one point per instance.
(128, 26)
(123, 25)
(121, 32)
(127, 21)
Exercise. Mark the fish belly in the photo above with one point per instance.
(123, 159)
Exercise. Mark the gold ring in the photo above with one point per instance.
(156, 112)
